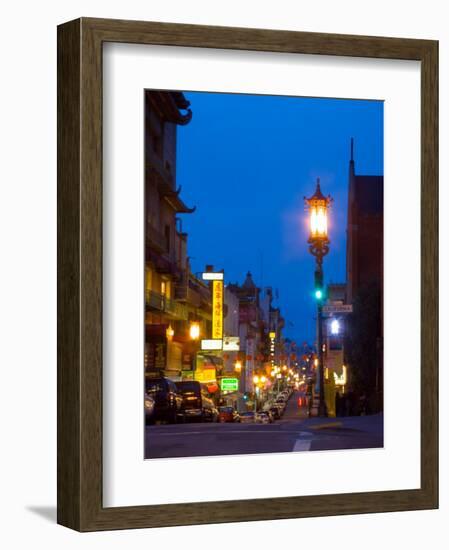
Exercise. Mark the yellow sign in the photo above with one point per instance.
(217, 310)
(205, 374)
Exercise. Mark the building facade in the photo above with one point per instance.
(364, 283)
(172, 295)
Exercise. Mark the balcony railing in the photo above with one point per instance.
(186, 294)
(159, 302)
(176, 309)
(194, 295)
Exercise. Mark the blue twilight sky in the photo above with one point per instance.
(246, 162)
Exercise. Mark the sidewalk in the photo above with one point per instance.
(370, 423)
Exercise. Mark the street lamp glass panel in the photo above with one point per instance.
(194, 331)
(318, 221)
(256, 379)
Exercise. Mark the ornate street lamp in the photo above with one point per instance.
(318, 206)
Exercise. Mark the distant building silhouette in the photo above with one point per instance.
(364, 245)
(364, 281)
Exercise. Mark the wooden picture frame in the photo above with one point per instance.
(80, 504)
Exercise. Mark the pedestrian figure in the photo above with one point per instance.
(348, 404)
(362, 405)
(309, 405)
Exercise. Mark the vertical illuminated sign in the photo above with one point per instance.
(217, 309)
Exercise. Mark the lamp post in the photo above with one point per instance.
(194, 332)
(259, 382)
(256, 391)
(318, 241)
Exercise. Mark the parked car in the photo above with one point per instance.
(276, 412)
(215, 415)
(262, 418)
(195, 403)
(149, 408)
(280, 407)
(228, 414)
(167, 400)
(247, 417)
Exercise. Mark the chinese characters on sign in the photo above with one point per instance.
(217, 310)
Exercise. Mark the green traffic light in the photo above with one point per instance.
(318, 294)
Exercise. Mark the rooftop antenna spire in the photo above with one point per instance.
(352, 149)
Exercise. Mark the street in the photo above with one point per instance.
(294, 432)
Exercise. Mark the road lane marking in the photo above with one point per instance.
(304, 443)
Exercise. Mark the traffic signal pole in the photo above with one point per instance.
(322, 409)
(319, 295)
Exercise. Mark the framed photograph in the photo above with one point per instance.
(247, 274)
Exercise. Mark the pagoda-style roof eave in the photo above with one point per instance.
(175, 201)
(168, 105)
(178, 205)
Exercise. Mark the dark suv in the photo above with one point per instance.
(167, 399)
(196, 404)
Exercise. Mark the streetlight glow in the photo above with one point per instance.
(318, 220)
(169, 332)
(194, 330)
(318, 206)
(335, 326)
